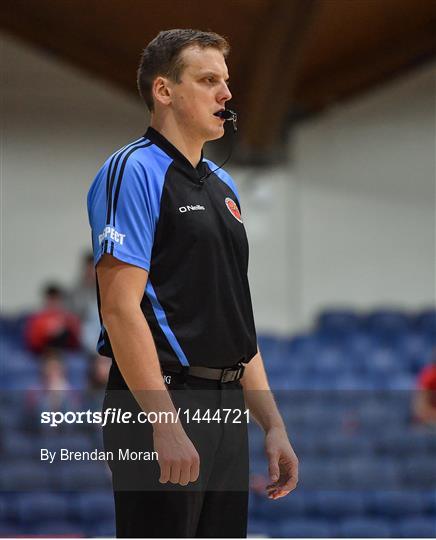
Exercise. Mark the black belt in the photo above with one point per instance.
(224, 375)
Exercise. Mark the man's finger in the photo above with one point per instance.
(195, 470)
(175, 473)
(273, 468)
(164, 473)
(185, 474)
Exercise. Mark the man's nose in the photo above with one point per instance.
(225, 93)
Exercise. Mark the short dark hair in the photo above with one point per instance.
(52, 289)
(162, 56)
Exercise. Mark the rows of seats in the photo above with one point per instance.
(57, 513)
(345, 390)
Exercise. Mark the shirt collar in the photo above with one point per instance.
(180, 160)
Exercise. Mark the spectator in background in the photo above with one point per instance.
(52, 326)
(83, 302)
(83, 295)
(98, 372)
(53, 392)
(425, 398)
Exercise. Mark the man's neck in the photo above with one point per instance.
(185, 144)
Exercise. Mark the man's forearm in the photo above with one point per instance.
(258, 396)
(136, 357)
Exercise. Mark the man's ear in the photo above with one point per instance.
(161, 90)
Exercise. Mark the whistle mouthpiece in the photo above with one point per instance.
(228, 115)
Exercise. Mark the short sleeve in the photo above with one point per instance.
(123, 213)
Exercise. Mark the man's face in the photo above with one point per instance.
(201, 92)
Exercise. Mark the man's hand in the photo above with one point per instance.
(282, 463)
(178, 459)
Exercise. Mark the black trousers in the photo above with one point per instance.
(216, 505)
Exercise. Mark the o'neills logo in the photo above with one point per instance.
(233, 209)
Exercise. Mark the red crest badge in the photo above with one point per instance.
(233, 209)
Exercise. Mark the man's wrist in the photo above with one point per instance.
(275, 426)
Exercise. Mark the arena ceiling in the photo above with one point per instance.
(289, 59)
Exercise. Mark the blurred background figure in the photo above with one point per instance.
(53, 325)
(98, 371)
(82, 300)
(53, 392)
(425, 396)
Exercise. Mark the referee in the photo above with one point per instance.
(171, 257)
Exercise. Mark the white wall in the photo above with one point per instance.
(58, 126)
(350, 220)
(366, 175)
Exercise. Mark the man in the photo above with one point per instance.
(172, 256)
(424, 403)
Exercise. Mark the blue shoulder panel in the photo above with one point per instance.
(124, 203)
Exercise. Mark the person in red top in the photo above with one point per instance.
(425, 399)
(53, 325)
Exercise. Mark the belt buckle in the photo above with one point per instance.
(224, 378)
(235, 374)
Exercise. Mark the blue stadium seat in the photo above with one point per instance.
(338, 322)
(364, 527)
(19, 444)
(318, 473)
(420, 473)
(330, 363)
(281, 508)
(23, 476)
(401, 381)
(84, 475)
(11, 530)
(105, 529)
(274, 350)
(343, 445)
(54, 441)
(305, 346)
(416, 527)
(58, 528)
(303, 528)
(257, 527)
(397, 504)
(387, 324)
(350, 382)
(92, 507)
(3, 509)
(416, 350)
(334, 504)
(383, 363)
(408, 441)
(367, 472)
(39, 507)
(425, 323)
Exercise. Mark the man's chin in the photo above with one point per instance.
(215, 134)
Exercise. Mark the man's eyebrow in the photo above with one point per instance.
(213, 73)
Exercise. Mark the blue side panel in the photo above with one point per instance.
(163, 323)
(225, 177)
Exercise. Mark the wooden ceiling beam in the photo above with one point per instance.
(274, 69)
(358, 73)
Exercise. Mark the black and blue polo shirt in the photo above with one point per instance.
(149, 207)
